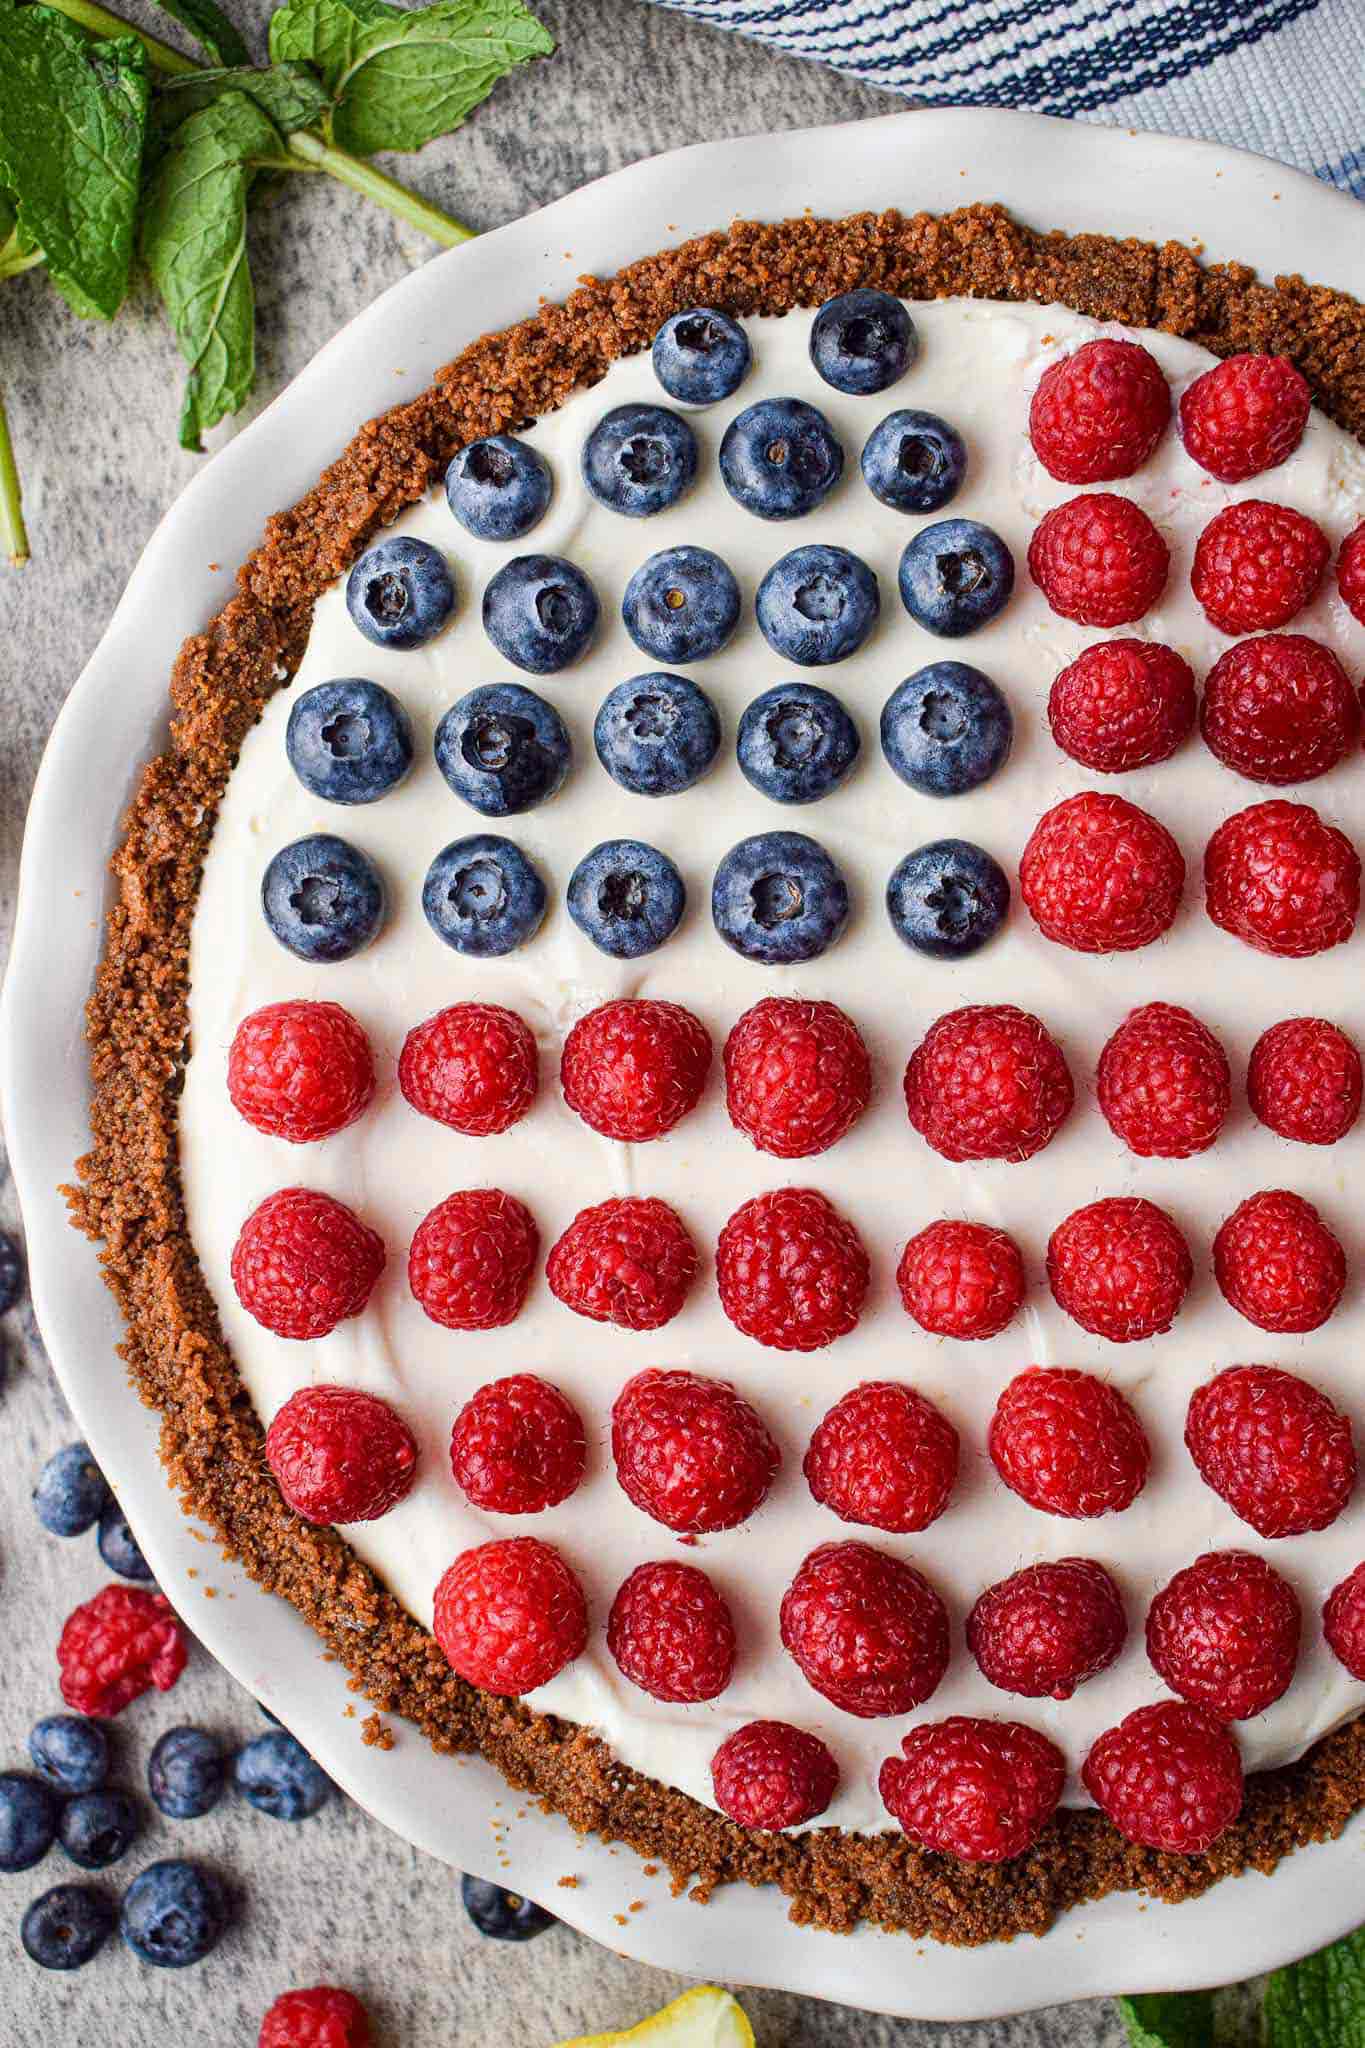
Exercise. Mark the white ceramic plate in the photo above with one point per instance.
(1052, 173)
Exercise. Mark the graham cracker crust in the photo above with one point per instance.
(129, 1194)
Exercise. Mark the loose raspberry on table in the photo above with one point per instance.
(988, 1082)
(980, 1790)
(1343, 1622)
(1048, 1628)
(1098, 559)
(1120, 1268)
(883, 1457)
(867, 1630)
(963, 1280)
(300, 1070)
(671, 1633)
(518, 1446)
(1351, 573)
(1123, 704)
(770, 1775)
(1099, 412)
(117, 1646)
(510, 1615)
(1279, 877)
(627, 1261)
(1257, 565)
(303, 1262)
(340, 1455)
(473, 1067)
(1169, 1777)
(1280, 709)
(1225, 1634)
(1245, 415)
(690, 1451)
(324, 2017)
(797, 1076)
(1304, 1080)
(791, 1271)
(634, 1068)
(1068, 1444)
(1164, 1083)
(470, 1261)
(1273, 1447)
(1278, 1264)
(1100, 875)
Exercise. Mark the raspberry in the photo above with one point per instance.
(690, 1451)
(518, 1447)
(634, 1068)
(791, 1271)
(1101, 876)
(1120, 1268)
(1278, 1264)
(1343, 1622)
(510, 1615)
(469, 1264)
(1304, 1080)
(797, 1076)
(1273, 1447)
(304, 1262)
(1244, 415)
(1225, 1634)
(671, 1633)
(979, 1790)
(1257, 565)
(628, 1261)
(988, 1082)
(1351, 573)
(866, 1630)
(1279, 709)
(1279, 877)
(1169, 1777)
(770, 1775)
(473, 1067)
(321, 2018)
(1099, 413)
(340, 1455)
(300, 1070)
(1099, 560)
(883, 1457)
(1068, 1444)
(1122, 704)
(1044, 1630)
(962, 1280)
(1164, 1083)
(116, 1647)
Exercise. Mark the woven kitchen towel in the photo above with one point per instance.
(1285, 77)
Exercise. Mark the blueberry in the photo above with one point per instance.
(626, 897)
(71, 1492)
(28, 1820)
(70, 1752)
(862, 341)
(276, 1773)
(681, 605)
(914, 462)
(348, 742)
(780, 458)
(817, 605)
(701, 356)
(498, 488)
(66, 1926)
(639, 459)
(174, 1913)
(185, 1773)
(657, 734)
(503, 749)
(482, 896)
(946, 729)
(11, 1272)
(323, 898)
(540, 613)
(401, 593)
(502, 1915)
(946, 899)
(779, 898)
(955, 576)
(120, 1548)
(96, 1828)
(797, 743)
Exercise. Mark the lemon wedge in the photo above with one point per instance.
(705, 2018)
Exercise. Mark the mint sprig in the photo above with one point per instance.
(1169, 2019)
(1320, 2002)
(210, 28)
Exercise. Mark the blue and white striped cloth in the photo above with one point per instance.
(1285, 77)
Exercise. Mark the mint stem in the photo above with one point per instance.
(13, 532)
(102, 22)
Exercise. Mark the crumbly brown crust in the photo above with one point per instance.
(129, 1195)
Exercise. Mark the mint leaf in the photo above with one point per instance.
(288, 93)
(72, 115)
(1320, 2002)
(399, 77)
(1169, 2019)
(210, 28)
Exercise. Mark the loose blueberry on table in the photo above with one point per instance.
(185, 1773)
(98, 1828)
(947, 899)
(639, 459)
(11, 1272)
(70, 1752)
(72, 1493)
(64, 1928)
(502, 1915)
(914, 462)
(817, 605)
(701, 356)
(503, 749)
(401, 593)
(28, 1820)
(657, 735)
(323, 898)
(955, 577)
(540, 612)
(628, 898)
(778, 898)
(482, 896)
(349, 742)
(174, 1913)
(796, 743)
(119, 1547)
(277, 1775)
(780, 458)
(862, 341)
(681, 605)
(499, 488)
(946, 729)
